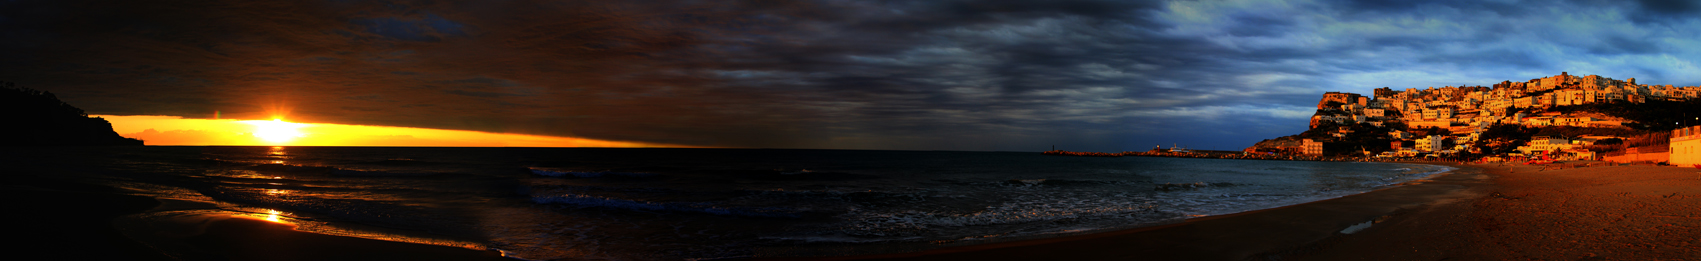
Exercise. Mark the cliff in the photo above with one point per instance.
(1286, 144)
(37, 118)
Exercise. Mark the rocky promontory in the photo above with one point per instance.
(1563, 116)
(38, 118)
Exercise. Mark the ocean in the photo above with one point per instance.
(695, 204)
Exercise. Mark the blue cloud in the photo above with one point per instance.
(428, 27)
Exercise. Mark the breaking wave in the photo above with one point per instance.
(696, 207)
(588, 174)
(328, 170)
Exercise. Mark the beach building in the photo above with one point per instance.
(1543, 144)
(1310, 147)
(1686, 146)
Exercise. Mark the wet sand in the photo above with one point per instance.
(252, 239)
(1479, 212)
(63, 219)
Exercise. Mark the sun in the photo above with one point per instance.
(276, 130)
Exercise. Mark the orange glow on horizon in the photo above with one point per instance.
(174, 130)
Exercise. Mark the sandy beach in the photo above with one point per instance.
(64, 220)
(1479, 212)
(1589, 213)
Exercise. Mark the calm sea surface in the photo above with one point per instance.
(671, 204)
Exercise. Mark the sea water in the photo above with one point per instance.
(672, 204)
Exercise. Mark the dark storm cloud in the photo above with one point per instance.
(1671, 7)
(974, 75)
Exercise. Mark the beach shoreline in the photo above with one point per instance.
(1476, 212)
(68, 219)
(1220, 237)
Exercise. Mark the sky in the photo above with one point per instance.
(982, 75)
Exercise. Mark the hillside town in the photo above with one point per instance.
(1561, 117)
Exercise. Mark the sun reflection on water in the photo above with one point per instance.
(269, 215)
(244, 174)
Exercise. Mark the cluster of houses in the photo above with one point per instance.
(1466, 112)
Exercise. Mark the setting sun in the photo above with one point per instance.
(276, 130)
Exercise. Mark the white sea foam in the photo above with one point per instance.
(587, 174)
(699, 207)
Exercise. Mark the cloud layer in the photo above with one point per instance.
(954, 75)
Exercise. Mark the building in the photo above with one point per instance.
(1686, 146)
(1538, 121)
(1384, 92)
(1574, 97)
(1431, 143)
(1317, 120)
(1373, 112)
(1544, 144)
(1400, 135)
(1338, 97)
(1573, 121)
(1310, 147)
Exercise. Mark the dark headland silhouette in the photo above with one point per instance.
(37, 118)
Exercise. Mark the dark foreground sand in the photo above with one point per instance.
(1480, 212)
(62, 219)
(252, 239)
(1590, 213)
